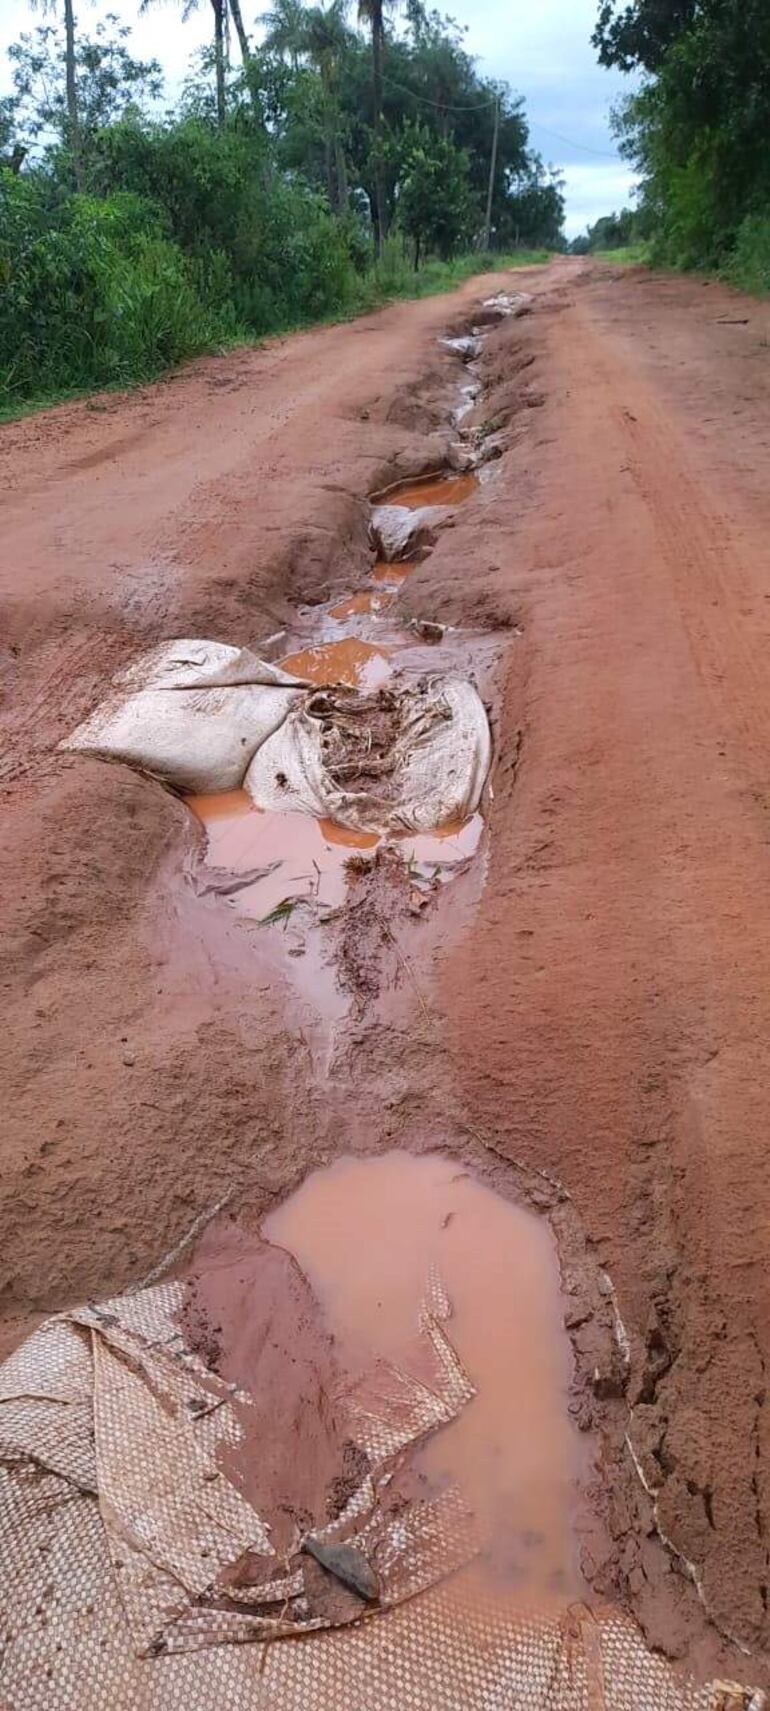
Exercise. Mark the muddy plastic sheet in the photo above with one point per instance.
(407, 760)
(111, 1440)
(402, 532)
(207, 718)
(190, 713)
(113, 1535)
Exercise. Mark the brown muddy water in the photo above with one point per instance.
(430, 490)
(361, 606)
(393, 574)
(307, 857)
(366, 1233)
(359, 665)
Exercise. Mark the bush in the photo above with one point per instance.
(289, 259)
(93, 292)
(748, 266)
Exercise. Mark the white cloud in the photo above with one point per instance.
(593, 190)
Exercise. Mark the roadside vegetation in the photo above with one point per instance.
(696, 129)
(338, 160)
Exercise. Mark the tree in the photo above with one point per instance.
(372, 12)
(285, 31)
(435, 206)
(532, 213)
(109, 81)
(240, 31)
(325, 39)
(640, 34)
(70, 78)
(697, 129)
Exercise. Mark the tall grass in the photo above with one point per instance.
(748, 265)
(393, 275)
(98, 292)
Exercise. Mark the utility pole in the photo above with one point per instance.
(492, 165)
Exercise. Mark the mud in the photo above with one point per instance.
(583, 1013)
(367, 1234)
(251, 1316)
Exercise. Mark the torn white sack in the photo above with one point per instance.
(190, 713)
(205, 718)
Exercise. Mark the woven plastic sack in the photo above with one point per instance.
(190, 713)
(112, 1531)
(433, 771)
(204, 717)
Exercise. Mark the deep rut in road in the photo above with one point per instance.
(338, 936)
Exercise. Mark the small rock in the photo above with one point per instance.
(129, 1059)
(576, 1315)
(347, 1564)
(427, 630)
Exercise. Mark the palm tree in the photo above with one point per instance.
(372, 12)
(74, 139)
(325, 40)
(240, 31)
(285, 30)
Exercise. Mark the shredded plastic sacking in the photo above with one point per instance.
(204, 717)
(120, 1529)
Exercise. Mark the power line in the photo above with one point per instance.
(569, 142)
(479, 107)
(441, 106)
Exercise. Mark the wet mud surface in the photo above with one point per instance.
(367, 1234)
(579, 1018)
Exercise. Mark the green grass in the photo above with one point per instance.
(630, 255)
(391, 279)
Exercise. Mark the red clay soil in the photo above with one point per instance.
(251, 1315)
(594, 1004)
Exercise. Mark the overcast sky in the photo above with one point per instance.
(542, 48)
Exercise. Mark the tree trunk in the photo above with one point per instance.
(240, 31)
(329, 166)
(341, 174)
(73, 116)
(378, 47)
(219, 58)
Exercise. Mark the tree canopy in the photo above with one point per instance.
(129, 234)
(697, 128)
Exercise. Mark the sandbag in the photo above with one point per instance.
(205, 718)
(467, 347)
(190, 713)
(506, 303)
(401, 760)
(400, 531)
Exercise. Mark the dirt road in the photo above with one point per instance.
(590, 999)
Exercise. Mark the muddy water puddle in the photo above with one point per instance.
(430, 490)
(391, 574)
(289, 859)
(361, 605)
(366, 1233)
(357, 664)
(293, 857)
